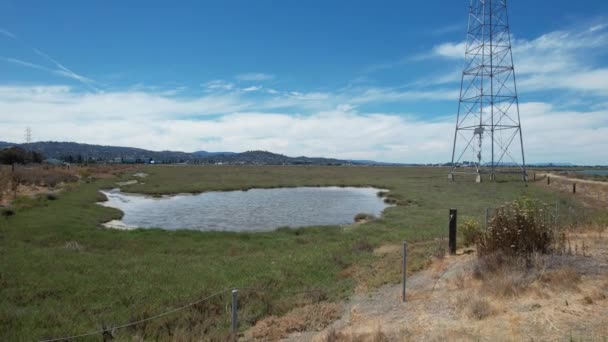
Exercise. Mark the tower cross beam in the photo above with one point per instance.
(488, 105)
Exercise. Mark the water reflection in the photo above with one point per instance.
(253, 210)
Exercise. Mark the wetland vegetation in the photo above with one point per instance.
(61, 273)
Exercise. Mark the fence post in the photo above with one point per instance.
(574, 188)
(556, 212)
(548, 180)
(404, 270)
(487, 218)
(234, 314)
(534, 175)
(452, 233)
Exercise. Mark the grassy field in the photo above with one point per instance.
(62, 274)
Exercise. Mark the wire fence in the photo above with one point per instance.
(111, 330)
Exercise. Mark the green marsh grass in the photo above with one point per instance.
(50, 289)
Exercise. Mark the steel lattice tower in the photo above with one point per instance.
(28, 135)
(488, 127)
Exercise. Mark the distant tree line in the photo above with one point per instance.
(17, 155)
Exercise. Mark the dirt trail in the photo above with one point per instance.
(573, 180)
(445, 302)
(591, 193)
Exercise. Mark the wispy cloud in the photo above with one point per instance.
(252, 88)
(216, 85)
(60, 70)
(255, 76)
(7, 33)
(448, 29)
(561, 59)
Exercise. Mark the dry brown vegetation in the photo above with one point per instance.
(33, 180)
(593, 193)
(373, 336)
(540, 294)
(311, 317)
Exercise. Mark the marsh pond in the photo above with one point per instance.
(251, 210)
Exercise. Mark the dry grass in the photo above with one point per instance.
(496, 297)
(440, 248)
(479, 308)
(592, 193)
(471, 230)
(504, 277)
(308, 318)
(32, 180)
(375, 336)
(49, 177)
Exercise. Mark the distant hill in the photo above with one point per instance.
(203, 154)
(76, 152)
(269, 158)
(64, 150)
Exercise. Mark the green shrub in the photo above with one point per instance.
(7, 212)
(363, 217)
(471, 230)
(519, 228)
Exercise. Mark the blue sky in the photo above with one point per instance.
(357, 79)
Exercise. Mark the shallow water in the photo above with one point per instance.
(252, 210)
(596, 172)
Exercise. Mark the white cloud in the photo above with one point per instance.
(252, 88)
(556, 60)
(255, 76)
(218, 85)
(450, 50)
(46, 104)
(153, 121)
(393, 95)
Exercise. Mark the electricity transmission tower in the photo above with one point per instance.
(28, 135)
(488, 128)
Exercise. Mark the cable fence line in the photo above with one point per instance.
(281, 291)
(112, 329)
(101, 331)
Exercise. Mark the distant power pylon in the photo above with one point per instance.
(28, 135)
(488, 128)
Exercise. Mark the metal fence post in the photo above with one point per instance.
(404, 270)
(452, 232)
(234, 314)
(487, 218)
(556, 211)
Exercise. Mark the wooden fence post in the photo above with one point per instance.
(548, 180)
(452, 232)
(574, 188)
